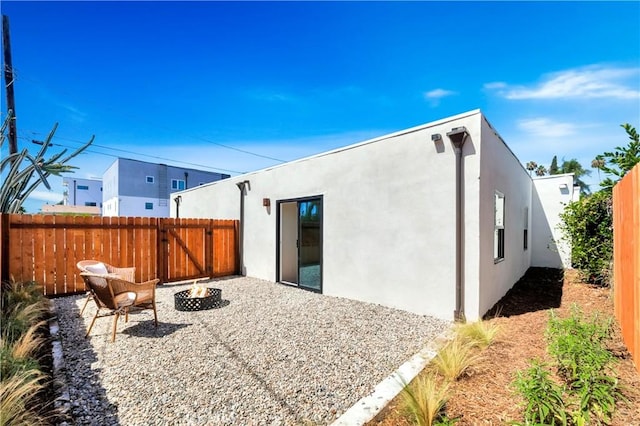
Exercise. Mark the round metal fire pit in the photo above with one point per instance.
(213, 299)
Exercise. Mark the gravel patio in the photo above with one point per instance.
(270, 355)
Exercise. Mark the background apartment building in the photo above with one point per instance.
(82, 192)
(138, 188)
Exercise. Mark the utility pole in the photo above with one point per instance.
(8, 80)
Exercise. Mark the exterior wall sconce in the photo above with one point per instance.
(564, 186)
(436, 137)
(266, 202)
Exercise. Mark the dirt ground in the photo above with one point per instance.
(485, 396)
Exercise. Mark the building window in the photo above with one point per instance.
(148, 206)
(150, 179)
(177, 184)
(85, 187)
(525, 234)
(90, 203)
(498, 235)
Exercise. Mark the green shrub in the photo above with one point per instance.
(589, 392)
(588, 226)
(543, 397)
(579, 348)
(578, 345)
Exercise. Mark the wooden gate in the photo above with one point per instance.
(196, 248)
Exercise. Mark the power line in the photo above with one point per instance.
(127, 152)
(244, 151)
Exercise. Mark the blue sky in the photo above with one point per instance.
(172, 82)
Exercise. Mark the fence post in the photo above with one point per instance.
(161, 244)
(4, 247)
(208, 247)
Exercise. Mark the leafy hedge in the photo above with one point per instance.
(588, 224)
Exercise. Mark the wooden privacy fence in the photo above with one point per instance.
(626, 259)
(46, 248)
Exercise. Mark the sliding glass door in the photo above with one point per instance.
(300, 242)
(309, 247)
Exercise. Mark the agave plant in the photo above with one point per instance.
(20, 181)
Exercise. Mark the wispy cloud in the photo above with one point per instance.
(546, 127)
(595, 81)
(271, 95)
(438, 93)
(434, 96)
(48, 196)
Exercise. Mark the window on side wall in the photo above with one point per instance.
(177, 184)
(150, 179)
(525, 234)
(90, 203)
(148, 206)
(498, 235)
(82, 187)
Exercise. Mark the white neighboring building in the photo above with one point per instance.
(550, 195)
(82, 192)
(138, 188)
(379, 221)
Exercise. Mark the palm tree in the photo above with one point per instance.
(541, 170)
(531, 166)
(598, 163)
(573, 166)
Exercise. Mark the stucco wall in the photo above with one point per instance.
(500, 171)
(389, 215)
(550, 195)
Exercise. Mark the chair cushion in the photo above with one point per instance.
(144, 296)
(125, 299)
(97, 268)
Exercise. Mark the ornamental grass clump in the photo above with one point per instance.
(424, 399)
(15, 396)
(480, 334)
(22, 319)
(455, 359)
(19, 355)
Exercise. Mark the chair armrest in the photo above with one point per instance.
(120, 285)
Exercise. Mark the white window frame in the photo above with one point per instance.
(147, 204)
(150, 179)
(175, 184)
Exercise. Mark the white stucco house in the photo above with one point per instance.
(440, 219)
